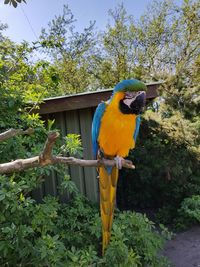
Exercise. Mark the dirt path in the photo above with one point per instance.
(184, 249)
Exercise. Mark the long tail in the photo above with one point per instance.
(108, 187)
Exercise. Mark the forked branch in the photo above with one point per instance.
(47, 158)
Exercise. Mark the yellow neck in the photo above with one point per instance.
(117, 129)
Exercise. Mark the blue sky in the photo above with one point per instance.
(40, 12)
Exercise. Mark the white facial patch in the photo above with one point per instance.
(129, 98)
(128, 101)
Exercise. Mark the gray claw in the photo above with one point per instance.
(118, 160)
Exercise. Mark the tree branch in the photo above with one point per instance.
(46, 158)
(92, 163)
(13, 132)
(46, 155)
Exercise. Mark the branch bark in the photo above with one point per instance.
(46, 158)
(13, 132)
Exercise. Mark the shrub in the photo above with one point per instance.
(188, 213)
(167, 166)
(58, 234)
(135, 241)
(190, 207)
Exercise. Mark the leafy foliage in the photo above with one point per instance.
(191, 207)
(72, 145)
(167, 160)
(55, 234)
(14, 3)
(132, 234)
(72, 52)
(189, 212)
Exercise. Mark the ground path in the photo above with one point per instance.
(184, 249)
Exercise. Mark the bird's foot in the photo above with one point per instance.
(100, 154)
(118, 161)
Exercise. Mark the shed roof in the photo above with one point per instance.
(86, 99)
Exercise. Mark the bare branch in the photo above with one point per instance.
(92, 163)
(24, 164)
(46, 158)
(19, 165)
(46, 155)
(13, 132)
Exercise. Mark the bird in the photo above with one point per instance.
(115, 128)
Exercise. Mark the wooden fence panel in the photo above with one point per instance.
(60, 124)
(73, 126)
(91, 183)
(38, 193)
(50, 184)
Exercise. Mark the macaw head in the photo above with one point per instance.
(131, 96)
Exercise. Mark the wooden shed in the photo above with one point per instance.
(73, 114)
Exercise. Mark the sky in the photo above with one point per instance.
(26, 21)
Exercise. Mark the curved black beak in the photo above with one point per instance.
(138, 103)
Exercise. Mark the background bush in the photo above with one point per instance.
(58, 234)
(167, 166)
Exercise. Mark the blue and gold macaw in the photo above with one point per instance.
(114, 131)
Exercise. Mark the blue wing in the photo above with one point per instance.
(137, 127)
(96, 123)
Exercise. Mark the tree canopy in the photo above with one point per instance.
(14, 3)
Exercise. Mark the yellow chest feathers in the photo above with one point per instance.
(117, 130)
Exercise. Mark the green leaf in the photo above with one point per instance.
(2, 196)
(14, 3)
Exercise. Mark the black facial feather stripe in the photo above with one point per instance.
(136, 106)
